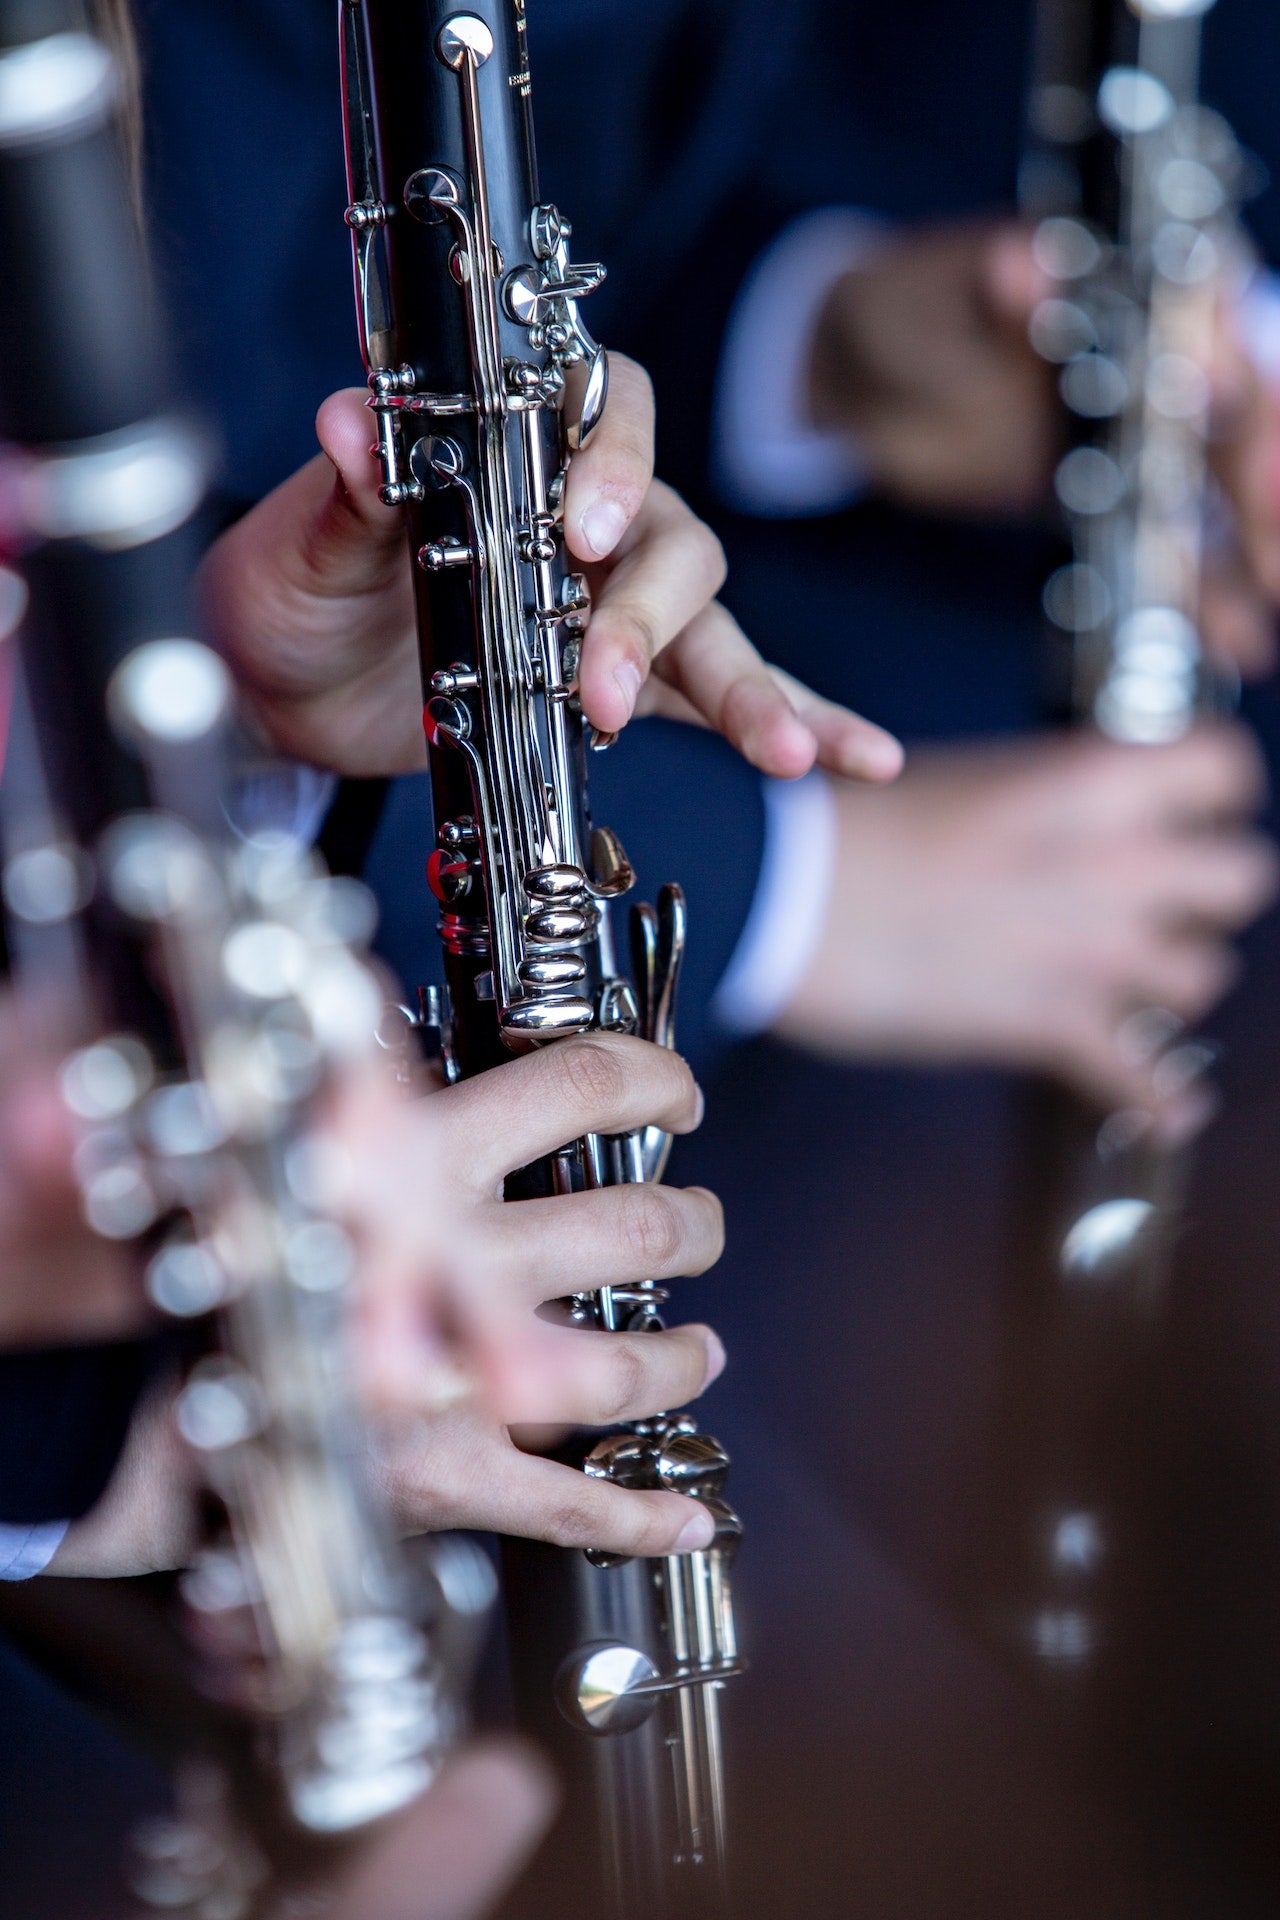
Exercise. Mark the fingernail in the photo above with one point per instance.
(602, 526)
(700, 1531)
(700, 1105)
(629, 680)
(715, 1357)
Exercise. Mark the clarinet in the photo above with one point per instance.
(1134, 187)
(221, 989)
(468, 309)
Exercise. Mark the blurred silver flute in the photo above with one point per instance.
(1142, 181)
(219, 979)
(1134, 186)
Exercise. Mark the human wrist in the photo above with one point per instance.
(770, 454)
(831, 382)
(145, 1521)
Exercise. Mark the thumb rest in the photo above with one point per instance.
(482, 379)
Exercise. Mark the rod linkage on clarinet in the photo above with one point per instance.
(483, 379)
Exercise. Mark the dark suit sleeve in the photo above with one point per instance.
(64, 1414)
(686, 808)
(689, 809)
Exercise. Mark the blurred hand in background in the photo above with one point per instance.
(1017, 904)
(923, 353)
(454, 1853)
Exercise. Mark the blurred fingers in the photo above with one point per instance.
(1215, 774)
(1246, 456)
(1012, 277)
(1223, 883)
(1186, 977)
(453, 1854)
(1237, 620)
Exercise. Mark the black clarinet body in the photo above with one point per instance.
(483, 379)
(101, 488)
(1133, 186)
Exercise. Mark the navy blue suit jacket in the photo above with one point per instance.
(246, 192)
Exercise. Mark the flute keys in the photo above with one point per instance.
(549, 1019)
(557, 923)
(556, 883)
(559, 972)
(608, 1688)
(560, 907)
(612, 873)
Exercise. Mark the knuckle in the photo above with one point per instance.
(651, 1227)
(626, 1379)
(709, 554)
(651, 1529)
(592, 1074)
(641, 631)
(575, 1523)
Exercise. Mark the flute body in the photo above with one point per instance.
(1134, 185)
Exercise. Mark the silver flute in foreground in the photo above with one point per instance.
(1134, 187)
(468, 307)
(220, 989)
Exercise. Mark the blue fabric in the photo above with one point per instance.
(247, 187)
(686, 809)
(63, 1417)
(70, 1793)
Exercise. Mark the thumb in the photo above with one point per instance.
(344, 429)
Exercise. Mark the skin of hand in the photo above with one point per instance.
(455, 1852)
(62, 1283)
(924, 353)
(1014, 904)
(451, 1349)
(458, 1464)
(310, 599)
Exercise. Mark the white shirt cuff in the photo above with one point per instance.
(768, 458)
(283, 796)
(1258, 317)
(27, 1551)
(789, 909)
